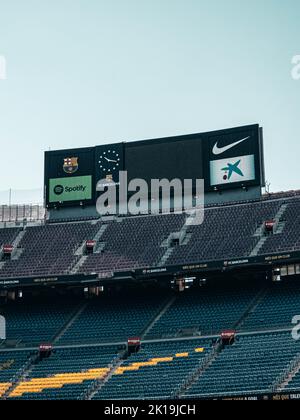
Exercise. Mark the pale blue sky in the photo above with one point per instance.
(87, 72)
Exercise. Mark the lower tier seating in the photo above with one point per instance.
(66, 374)
(34, 321)
(156, 371)
(252, 364)
(192, 368)
(11, 364)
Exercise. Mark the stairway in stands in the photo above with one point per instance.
(21, 375)
(287, 376)
(278, 228)
(183, 237)
(15, 243)
(75, 268)
(194, 376)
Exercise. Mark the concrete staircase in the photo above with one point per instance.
(199, 371)
(21, 375)
(17, 252)
(18, 239)
(79, 263)
(165, 257)
(251, 308)
(258, 246)
(75, 315)
(287, 376)
(98, 385)
(183, 236)
(75, 267)
(166, 305)
(100, 232)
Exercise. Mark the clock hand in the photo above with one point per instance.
(110, 160)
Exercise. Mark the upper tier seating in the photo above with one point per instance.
(289, 239)
(50, 249)
(7, 236)
(228, 232)
(133, 243)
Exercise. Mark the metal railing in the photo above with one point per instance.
(19, 213)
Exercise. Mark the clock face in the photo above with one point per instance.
(109, 161)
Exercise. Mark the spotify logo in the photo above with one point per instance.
(78, 188)
(58, 189)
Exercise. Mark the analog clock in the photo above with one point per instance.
(109, 161)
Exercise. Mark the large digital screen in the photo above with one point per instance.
(77, 188)
(69, 177)
(229, 171)
(233, 158)
(225, 159)
(170, 158)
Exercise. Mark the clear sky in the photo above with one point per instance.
(88, 72)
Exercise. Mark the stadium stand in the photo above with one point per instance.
(288, 239)
(276, 308)
(7, 236)
(182, 355)
(12, 364)
(49, 249)
(134, 242)
(37, 320)
(140, 242)
(66, 374)
(236, 225)
(252, 364)
(209, 310)
(155, 372)
(113, 318)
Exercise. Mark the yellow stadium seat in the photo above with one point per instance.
(4, 387)
(182, 355)
(38, 385)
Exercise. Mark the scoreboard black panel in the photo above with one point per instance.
(225, 159)
(178, 157)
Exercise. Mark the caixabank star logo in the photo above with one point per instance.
(71, 165)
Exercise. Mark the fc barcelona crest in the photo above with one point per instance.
(70, 165)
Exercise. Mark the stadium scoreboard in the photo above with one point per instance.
(225, 159)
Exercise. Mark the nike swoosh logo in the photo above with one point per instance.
(219, 150)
